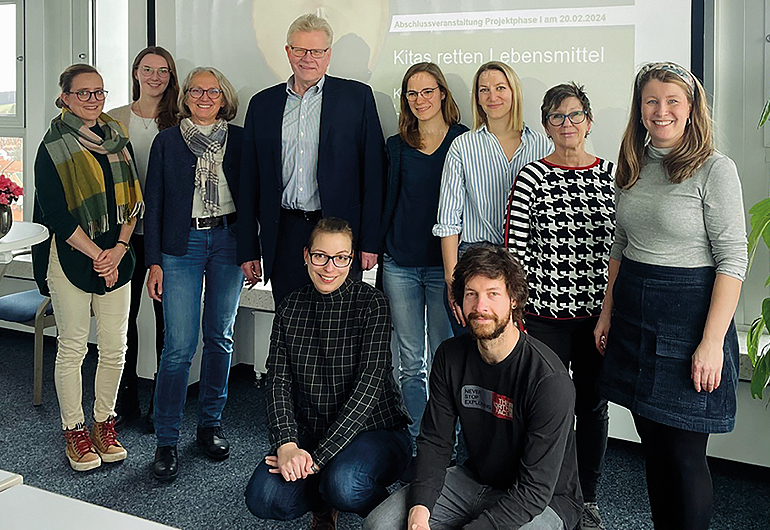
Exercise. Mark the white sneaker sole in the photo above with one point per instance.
(84, 466)
(112, 457)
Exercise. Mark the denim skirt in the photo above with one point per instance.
(657, 323)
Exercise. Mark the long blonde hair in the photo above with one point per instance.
(517, 112)
(696, 144)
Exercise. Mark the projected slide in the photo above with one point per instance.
(597, 43)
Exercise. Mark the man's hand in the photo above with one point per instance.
(155, 283)
(291, 462)
(368, 260)
(253, 272)
(418, 518)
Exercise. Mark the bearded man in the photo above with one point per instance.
(515, 403)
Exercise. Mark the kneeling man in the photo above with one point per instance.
(337, 422)
(515, 403)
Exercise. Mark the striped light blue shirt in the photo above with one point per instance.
(300, 133)
(476, 180)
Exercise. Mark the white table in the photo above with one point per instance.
(22, 235)
(27, 508)
(8, 480)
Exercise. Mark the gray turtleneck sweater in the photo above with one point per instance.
(697, 223)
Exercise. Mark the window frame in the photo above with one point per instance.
(17, 121)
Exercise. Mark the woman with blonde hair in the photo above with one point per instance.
(675, 272)
(480, 167)
(88, 195)
(413, 275)
(189, 237)
(155, 91)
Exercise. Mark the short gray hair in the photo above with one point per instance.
(230, 104)
(307, 23)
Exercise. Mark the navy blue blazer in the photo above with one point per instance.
(350, 173)
(168, 192)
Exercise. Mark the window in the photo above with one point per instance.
(11, 64)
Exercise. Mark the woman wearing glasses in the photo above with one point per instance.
(155, 91)
(675, 272)
(88, 195)
(480, 167)
(559, 223)
(193, 170)
(337, 426)
(413, 275)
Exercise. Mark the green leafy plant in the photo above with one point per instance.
(760, 230)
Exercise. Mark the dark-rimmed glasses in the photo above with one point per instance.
(426, 93)
(147, 71)
(197, 93)
(341, 261)
(315, 53)
(85, 95)
(557, 120)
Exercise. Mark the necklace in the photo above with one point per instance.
(145, 123)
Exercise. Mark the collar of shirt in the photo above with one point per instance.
(314, 90)
(337, 295)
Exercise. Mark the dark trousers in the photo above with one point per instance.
(573, 341)
(128, 397)
(678, 477)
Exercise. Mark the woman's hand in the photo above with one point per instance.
(419, 516)
(108, 259)
(291, 462)
(110, 278)
(602, 330)
(457, 311)
(155, 283)
(707, 366)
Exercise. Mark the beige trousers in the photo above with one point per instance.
(72, 308)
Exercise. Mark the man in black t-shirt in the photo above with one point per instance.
(515, 402)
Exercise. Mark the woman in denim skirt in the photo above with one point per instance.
(676, 267)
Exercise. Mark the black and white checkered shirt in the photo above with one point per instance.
(330, 372)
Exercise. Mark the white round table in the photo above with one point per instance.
(22, 235)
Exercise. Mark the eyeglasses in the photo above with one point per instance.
(426, 93)
(319, 259)
(85, 95)
(146, 71)
(197, 93)
(315, 53)
(557, 120)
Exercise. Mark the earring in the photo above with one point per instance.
(689, 121)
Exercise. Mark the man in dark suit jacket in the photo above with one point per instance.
(312, 147)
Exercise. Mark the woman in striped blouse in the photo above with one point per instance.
(560, 223)
(480, 167)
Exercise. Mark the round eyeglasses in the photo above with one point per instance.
(147, 71)
(426, 93)
(557, 120)
(341, 261)
(85, 95)
(197, 93)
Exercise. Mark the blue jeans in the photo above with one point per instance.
(210, 256)
(414, 292)
(355, 480)
(462, 500)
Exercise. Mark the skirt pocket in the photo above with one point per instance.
(672, 389)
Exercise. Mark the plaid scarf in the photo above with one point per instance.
(210, 153)
(70, 143)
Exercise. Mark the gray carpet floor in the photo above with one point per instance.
(209, 495)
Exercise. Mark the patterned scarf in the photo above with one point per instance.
(70, 143)
(210, 152)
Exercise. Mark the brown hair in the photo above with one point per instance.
(168, 115)
(696, 144)
(407, 122)
(555, 95)
(68, 76)
(494, 263)
(517, 112)
(229, 107)
(330, 225)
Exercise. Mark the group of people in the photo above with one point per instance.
(526, 282)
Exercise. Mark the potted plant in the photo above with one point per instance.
(9, 193)
(760, 230)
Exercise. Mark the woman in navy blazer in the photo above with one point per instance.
(189, 236)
